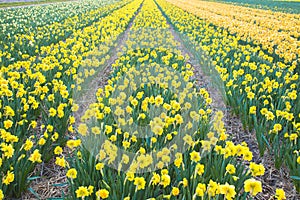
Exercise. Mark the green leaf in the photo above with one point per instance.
(296, 178)
(33, 178)
(34, 193)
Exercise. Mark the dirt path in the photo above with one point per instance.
(101, 77)
(273, 178)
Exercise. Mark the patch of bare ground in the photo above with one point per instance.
(273, 178)
(52, 181)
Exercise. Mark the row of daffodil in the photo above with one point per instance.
(278, 6)
(25, 42)
(19, 19)
(262, 92)
(151, 133)
(276, 33)
(37, 98)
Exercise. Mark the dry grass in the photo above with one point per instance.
(51, 184)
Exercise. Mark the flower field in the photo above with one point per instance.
(102, 100)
